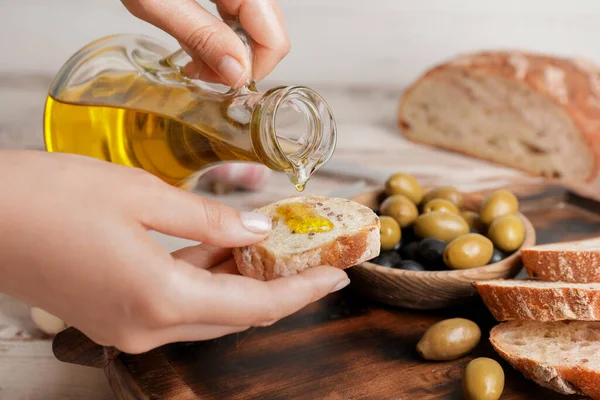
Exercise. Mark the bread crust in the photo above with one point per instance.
(344, 251)
(577, 91)
(562, 379)
(566, 265)
(539, 303)
(349, 250)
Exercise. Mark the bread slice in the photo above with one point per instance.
(531, 112)
(562, 356)
(353, 239)
(540, 301)
(577, 261)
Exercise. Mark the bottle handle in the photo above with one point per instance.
(181, 57)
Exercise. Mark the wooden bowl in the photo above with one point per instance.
(428, 290)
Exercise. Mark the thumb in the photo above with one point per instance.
(183, 214)
(207, 38)
(226, 299)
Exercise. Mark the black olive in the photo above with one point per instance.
(497, 256)
(410, 251)
(409, 265)
(398, 247)
(441, 266)
(431, 250)
(387, 259)
(408, 235)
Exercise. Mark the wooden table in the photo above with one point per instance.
(367, 138)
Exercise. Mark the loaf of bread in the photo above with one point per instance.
(531, 112)
(562, 356)
(296, 241)
(577, 261)
(540, 301)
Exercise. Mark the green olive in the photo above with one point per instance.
(401, 208)
(405, 185)
(473, 220)
(444, 192)
(483, 380)
(468, 251)
(440, 205)
(497, 204)
(507, 233)
(389, 232)
(449, 339)
(440, 225)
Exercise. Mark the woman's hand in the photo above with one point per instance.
(218, 54)
(75, 243)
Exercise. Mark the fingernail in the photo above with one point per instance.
(254, 222)
(341, 285)
(231, 70)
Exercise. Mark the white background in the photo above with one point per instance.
(333, 41)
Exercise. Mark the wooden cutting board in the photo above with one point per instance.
(342, 347)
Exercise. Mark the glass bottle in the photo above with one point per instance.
(126, 99)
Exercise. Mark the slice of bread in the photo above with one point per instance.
(540, 301)
(577, 261)
(353, 239)
(532, 112)
(562, 356)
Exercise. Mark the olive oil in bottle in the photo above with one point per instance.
(125, 99)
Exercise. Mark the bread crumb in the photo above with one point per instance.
(555, 82)
(520, 64)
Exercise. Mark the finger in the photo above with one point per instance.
(191, 333)
(264, 23)
(245, 176)
(198, 69)
(145, 340)
(227, 267)
(176, 212)
(224, 14)
(221, 298)
(203, 255)
(208, 38)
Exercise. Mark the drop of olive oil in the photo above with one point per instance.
(170, 131)
(302, 218)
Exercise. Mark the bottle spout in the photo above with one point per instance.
(297, 130)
